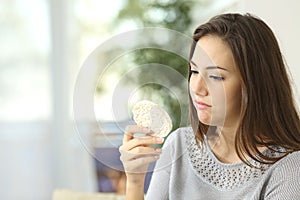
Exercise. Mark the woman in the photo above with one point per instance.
(245, 137)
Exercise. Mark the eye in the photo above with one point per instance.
(194, 71)
(216, 77)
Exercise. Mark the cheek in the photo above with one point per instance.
(218, 97)
(192, 87)
(226, 99)
(233, 99)
(191, 83)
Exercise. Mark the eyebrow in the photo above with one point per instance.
(209, 67)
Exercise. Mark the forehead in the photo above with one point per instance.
(213, 51)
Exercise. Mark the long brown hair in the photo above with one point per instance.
(269, 117)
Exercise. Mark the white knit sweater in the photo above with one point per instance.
(186, 171)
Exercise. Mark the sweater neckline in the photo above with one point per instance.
(214, 157)
(224, 176)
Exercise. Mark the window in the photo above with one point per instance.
(24, 68)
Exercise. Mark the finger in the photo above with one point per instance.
(141, 141)
(145, 150)
(137, 129)
(139, 152)
(130, 130)
(140, 165)
(128, 156)
(138, 142)
(127, 137)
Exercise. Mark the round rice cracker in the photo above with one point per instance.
(149, 114)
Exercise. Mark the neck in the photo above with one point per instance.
(224, 145)
(227, 137)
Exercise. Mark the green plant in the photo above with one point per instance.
(174, 15)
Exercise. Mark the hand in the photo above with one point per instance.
(137, 153)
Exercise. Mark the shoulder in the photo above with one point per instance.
(173, 148)
(180, 132)
(288, 166)
(176, 142)
(180, 135)
(284, 178)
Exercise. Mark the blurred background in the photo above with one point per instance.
(43, 44)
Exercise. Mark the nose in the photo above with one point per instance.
(198, 85)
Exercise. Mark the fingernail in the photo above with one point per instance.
(159, 139)
(158, 150)
(146, 129)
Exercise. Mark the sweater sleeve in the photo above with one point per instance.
(285, 181)
(159, 185)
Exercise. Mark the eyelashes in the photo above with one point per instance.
(194, 72)
(218, 78)
(214, 77)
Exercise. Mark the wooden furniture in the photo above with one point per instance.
(75, 195)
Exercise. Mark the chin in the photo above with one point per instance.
(205, 120)
(211, 122)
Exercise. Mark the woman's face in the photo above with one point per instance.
(215, 84)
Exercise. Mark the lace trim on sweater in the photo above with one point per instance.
(220, 175)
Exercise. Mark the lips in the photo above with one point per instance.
(201, 105)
